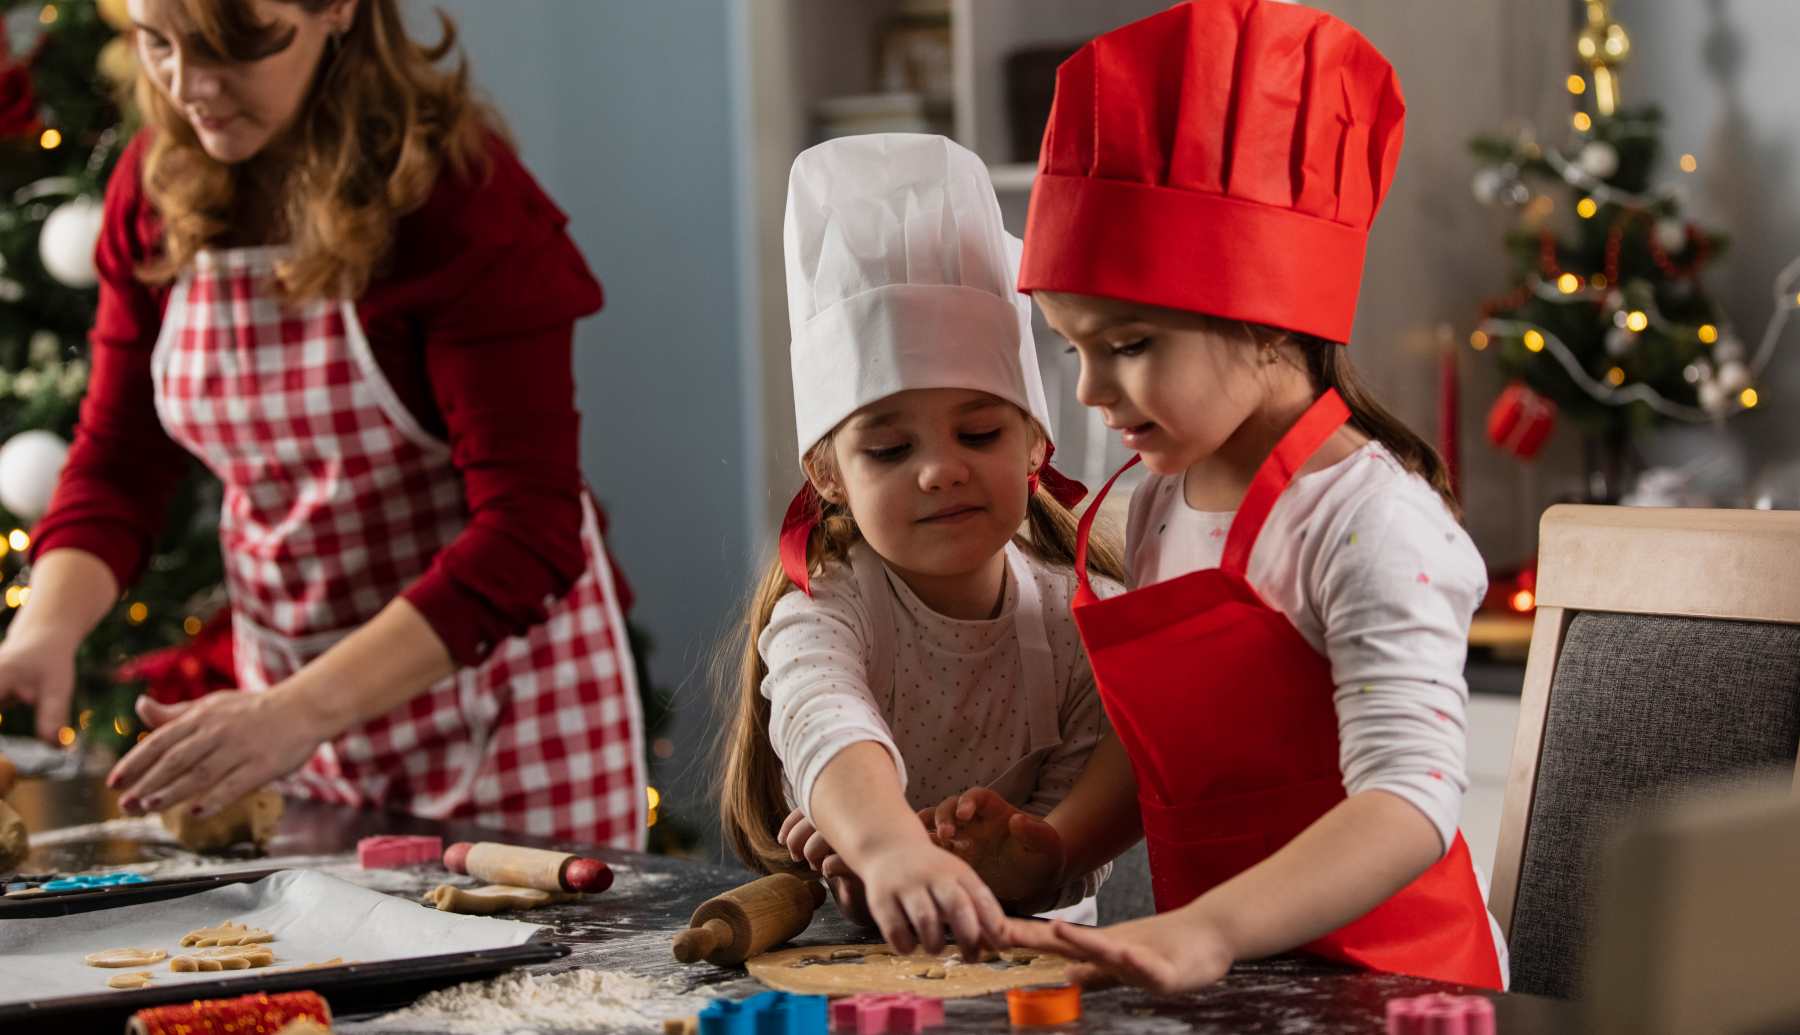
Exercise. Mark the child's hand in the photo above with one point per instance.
(912, 889)
(1019, 855)
(847, 891)
(803, 841)
(1168, 953)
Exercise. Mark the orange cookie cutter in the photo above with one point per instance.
(1041, 1007)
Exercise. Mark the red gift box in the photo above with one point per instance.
(1520, 421)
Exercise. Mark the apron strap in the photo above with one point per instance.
(1037, 665)
(872, 587)
(1086, 528)
(1320, 421)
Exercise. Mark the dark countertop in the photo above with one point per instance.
(629, 927)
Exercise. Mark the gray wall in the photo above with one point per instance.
(625, 111)
(1727, 75)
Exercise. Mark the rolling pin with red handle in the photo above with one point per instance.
(528, 867)
(730, 928)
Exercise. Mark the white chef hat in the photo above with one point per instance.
(900, 275)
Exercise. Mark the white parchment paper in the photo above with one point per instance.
(314, 917)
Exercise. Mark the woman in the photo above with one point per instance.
(325, 274)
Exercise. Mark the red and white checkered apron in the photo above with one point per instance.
(335, 501)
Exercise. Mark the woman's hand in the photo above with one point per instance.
(1018, 855)
(1170, 952)
(40, 671)
(213, 751)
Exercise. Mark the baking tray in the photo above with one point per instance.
(350, 988)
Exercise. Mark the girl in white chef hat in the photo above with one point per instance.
(911, 642)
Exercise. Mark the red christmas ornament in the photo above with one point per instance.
(190, 670)
(18, 105)
(1520, 421)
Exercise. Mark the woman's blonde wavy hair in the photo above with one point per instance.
(382, 120)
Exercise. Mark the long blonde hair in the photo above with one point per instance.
(378, 126)
(751, 801)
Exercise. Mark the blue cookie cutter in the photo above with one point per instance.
(89, 882)
(770, 1013)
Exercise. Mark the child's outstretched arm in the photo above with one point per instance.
(911, 887)
(1024, 859)
(1349, 861)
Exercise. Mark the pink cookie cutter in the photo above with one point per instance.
(900, 1013)
(1440, 1014)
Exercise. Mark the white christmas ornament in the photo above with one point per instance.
(1487, 183)
(30, 463)
(1599, 159)
(1713, 398)
(43, 348)
(1734, 377)
(1671, 234)
(1729, 348)
(66, 244)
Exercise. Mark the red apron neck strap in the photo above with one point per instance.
(1086, 526)
(1320, 421)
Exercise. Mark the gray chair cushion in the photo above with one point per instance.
(1126, 893)
(1640, 707)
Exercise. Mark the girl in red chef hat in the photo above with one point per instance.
(1284, 676)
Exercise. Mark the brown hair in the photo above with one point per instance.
(1327, 365)
(751, 802)
(380, 122)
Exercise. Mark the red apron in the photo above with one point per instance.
(1226, 711)
(335, 500)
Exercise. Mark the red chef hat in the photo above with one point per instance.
(1224, 157)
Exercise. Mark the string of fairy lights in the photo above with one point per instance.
(1725, 379)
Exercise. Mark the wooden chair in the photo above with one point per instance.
(1665, 652)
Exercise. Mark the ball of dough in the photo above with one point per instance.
(15, 843)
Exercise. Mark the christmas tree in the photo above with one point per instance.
(64, 67)
(1608, 322)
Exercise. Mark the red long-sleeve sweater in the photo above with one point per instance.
(471, 320)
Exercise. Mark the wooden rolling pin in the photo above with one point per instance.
(730, 928)
(528, 867)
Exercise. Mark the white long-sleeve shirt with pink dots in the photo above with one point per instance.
(1377, 575)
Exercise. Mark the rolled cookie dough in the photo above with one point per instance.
(124, 957)
(223, 957)
(135, 979)
(824, 970)
(491, 898)
(228, 933)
